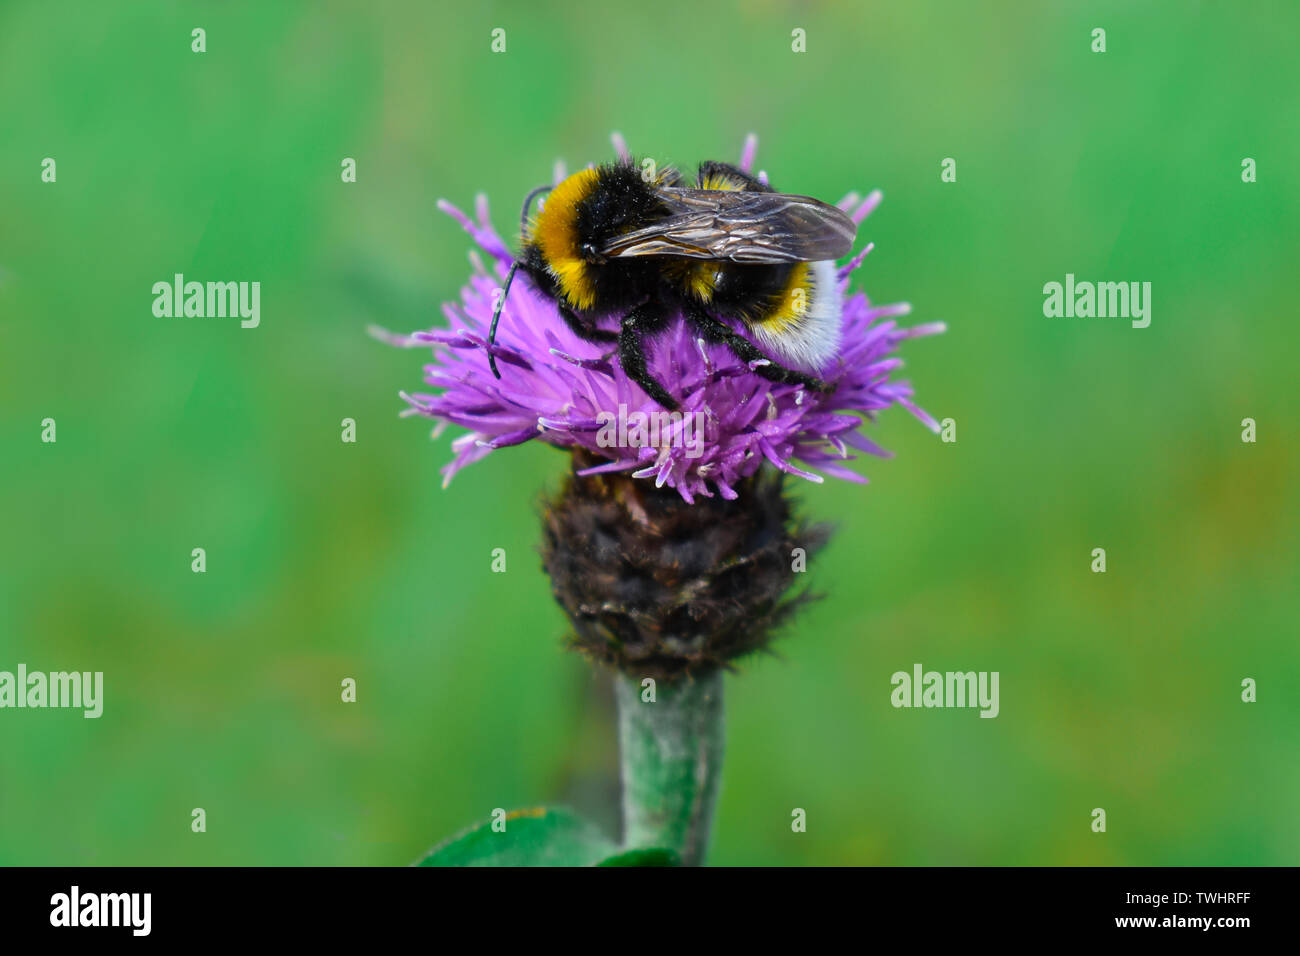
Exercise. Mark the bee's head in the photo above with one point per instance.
(555, 233)
(581, 215)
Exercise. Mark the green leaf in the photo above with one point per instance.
(651, 856)
(539, 836)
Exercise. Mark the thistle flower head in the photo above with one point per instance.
(560, 389)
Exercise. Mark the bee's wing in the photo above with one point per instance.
(741, 226)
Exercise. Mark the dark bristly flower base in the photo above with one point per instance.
(656, 587)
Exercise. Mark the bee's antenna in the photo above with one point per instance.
(496, 317)
(510, 276)
(528, 201)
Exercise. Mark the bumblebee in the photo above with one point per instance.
(612, 242)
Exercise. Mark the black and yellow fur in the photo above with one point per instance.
(584, 213)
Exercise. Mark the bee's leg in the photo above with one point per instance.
(584, 331)
(715, 330)
(644, 320)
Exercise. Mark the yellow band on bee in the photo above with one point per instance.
(555, 231)
(795, 300)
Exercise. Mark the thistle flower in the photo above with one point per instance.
(655, 588)
(567, 392)
(672, 544)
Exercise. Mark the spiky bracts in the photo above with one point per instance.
(656, 587)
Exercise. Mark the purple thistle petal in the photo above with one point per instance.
(510, 438)
(620, 146)
(748, 152)
(874, 198)
(855, 261)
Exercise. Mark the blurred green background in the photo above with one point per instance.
(328, 560)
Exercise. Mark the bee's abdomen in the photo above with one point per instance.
(793, 311)
(754, 293)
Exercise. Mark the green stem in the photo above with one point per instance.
(671, 751)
